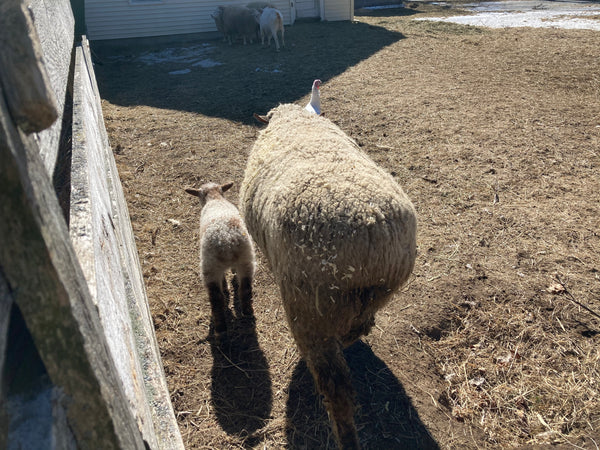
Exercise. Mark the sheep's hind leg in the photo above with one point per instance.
(217, 304)
(332, 377)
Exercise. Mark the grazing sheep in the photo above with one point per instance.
(271, 22)
(224, 244)
(340, 236)
(236, 21)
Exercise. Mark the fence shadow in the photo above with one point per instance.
(385, 416)
(231, 82)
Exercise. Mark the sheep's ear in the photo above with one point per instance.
(261, 119)
(225, 187)
(194, 192)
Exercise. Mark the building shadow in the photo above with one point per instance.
(215, 79)
(385, 417)
(240, 381)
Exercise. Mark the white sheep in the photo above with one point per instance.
(271, 22)
(340, 236)
(224, 244)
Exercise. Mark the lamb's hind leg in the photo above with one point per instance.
(332, 377)
(217, 305)
(244, 276)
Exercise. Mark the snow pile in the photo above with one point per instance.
(535, 14)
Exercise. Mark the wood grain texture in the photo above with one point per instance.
(29, 94)
(48, 285)
(104, 242)
(55, 25)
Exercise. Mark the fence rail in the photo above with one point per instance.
(79, 361)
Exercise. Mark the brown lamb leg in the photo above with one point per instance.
(217, 304)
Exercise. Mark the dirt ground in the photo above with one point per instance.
(494, 135)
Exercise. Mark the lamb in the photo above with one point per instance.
(236, 21)
(224, 244)
(340, 236)
(271, 22)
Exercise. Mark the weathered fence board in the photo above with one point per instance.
(55, 27)
(102, 236)
(157, 392)
(24, 77)
(75, 298)
(49, 288)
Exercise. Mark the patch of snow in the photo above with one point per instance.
(206, 63)
(186, 55)
(534, 14)
(398, 5)
(180, 72)
(275, 70)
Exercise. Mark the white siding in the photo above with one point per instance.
(117, 19)
(307, 8)
(338, 10)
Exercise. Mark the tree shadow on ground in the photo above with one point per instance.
(241, 384)
(385, 417)
(213, 78)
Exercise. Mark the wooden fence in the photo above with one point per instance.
(79, 361)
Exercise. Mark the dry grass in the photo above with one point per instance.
(529, 379)
(494, 134)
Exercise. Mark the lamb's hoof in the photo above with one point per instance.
(220, 338)
(220, 329)
(247, 311)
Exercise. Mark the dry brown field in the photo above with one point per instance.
(493, 134)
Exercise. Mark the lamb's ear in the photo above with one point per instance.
(225, 187)
(261, 119)
(194, 192)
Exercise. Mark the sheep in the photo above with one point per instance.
(217, 16)
(236, 21)
(224, 244)
(340, 236)
(271, 21)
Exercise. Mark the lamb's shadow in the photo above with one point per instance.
(241, 384)
(385, 417)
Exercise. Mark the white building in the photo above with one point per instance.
(118, 19)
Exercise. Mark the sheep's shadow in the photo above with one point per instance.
(241, 384)
(385, 416)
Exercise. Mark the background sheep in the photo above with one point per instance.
(217, 16)
(224, 244)
(340, 236)
(271, 22)
(236, 21)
